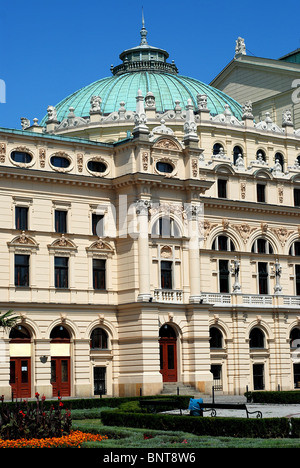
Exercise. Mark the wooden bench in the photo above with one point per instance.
(176, 404)
(214, 406)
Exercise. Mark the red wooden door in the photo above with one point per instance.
(168, 359)
(60, 376)
(20, 377)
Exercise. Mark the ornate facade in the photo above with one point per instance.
(145, 246)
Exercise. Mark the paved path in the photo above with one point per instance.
(267, 410)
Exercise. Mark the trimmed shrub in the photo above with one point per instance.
(284, 397)
(226, 427)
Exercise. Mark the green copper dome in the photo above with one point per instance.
(144, 68)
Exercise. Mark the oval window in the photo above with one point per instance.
(96, 166)
(21, 157)
(164, 167)
(59, 161)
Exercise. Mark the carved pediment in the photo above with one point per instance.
(167, 144)
(63, 242)
(100, 246)
(23, 240)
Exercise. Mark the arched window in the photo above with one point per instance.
(257, 338)
(99, 339)
(295, 249)
(295, 338)
(166, 331)
(295, 252)
(19, 334)
(216, 338)
(262, 246)
(260, 154)
(223, 243)
(165, 227)
(237, 151)
(60, 334)
(279, 157)
(217, 148)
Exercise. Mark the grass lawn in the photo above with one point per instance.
(136, 438)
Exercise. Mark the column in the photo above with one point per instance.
(142, 210)
(194, 213)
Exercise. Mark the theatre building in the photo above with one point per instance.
(149, 234)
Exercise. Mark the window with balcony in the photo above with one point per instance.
(263, 283)
(224, 276)
(295, 252)
(166, 274)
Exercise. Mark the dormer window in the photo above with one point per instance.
(96, 166)
(165, 167)
(60, 161)
(21, 157)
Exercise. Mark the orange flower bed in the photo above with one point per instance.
(74, 439)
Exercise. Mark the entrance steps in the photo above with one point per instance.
(178, 388)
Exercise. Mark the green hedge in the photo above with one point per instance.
(226, 427)
(114, 402)
(285, 397)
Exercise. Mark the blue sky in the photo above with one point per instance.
(52, 48)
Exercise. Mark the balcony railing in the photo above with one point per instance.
(174, 296)
(253, 300)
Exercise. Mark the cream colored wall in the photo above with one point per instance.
(132, 360)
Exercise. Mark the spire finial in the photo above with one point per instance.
(143, 30)
(143, 19)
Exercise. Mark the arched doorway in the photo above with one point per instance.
(60, 361)
(20, 362)
(168, 353)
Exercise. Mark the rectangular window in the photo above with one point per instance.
(261, 193)
(166, 274)
(22, 270)
(258, 376)
(97, 225)
(296, 197)
(61, 221)
(21, 218)
(263, 278)
(99, 267)
(61, 265)
(222, 188)
(223, 276)
(297, 277)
